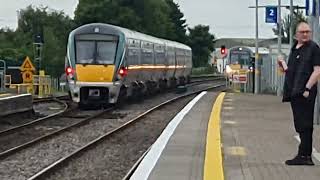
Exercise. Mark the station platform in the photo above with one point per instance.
(229, 136)
(12, 103)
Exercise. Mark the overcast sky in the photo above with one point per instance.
(227, 18)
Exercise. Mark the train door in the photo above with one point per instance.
(175, 72)
(160, 58)
(166, 63)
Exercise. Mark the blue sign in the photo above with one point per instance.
(310, 8)
(271, 14)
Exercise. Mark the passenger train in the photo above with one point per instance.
(239, 58)
(106, 63)
(243, 58)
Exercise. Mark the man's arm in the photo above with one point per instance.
(314, 77)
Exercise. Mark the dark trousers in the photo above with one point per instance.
(303, 110)
(305, 147)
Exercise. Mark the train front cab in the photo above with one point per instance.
(240, 60)
(94, 75)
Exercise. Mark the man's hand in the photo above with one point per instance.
(306, 94)
(282, 65)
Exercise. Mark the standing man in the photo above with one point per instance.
(300, 90)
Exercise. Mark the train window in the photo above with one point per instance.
(96, 48)
(133, 56)
(147, 57)
(134, 43)
(171, 56)
(96, 52)
(160, 57)
(147, 45)
(106, 52)
(180, 56)
(85, 52)
(240, 57)
(159, 48)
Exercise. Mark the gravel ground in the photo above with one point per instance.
(31, 160)
(40, 110)
(48, 108)
(115, 156)
(32, 132)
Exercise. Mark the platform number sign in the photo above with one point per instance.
(271, 14)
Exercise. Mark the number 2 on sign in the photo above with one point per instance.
(271, 12)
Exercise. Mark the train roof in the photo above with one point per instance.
(137, 35)
(261, 50)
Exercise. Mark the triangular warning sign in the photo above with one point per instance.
(27, 65)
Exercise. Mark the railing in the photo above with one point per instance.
(2, 75)
(40, 87)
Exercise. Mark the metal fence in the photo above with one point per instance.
(271, 79)
(2, 75)
(2, 81)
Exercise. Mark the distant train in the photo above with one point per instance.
(106, 63)
(241, 65)
(239, 56)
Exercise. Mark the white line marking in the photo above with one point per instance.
(148, 163)
(228, 108)
(315, 153)
(14, 96)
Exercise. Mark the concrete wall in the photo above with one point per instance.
(15, 104)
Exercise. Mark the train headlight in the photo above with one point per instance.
(122, 72)
(70, 72)
(228, 69)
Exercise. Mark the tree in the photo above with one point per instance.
(147, 16)
(53, 26)
(201, 42)
(177, 17)
(286, 24)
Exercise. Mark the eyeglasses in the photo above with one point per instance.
(304, 32)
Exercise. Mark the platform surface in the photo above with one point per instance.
(258, 136)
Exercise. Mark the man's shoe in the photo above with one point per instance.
(300, 160)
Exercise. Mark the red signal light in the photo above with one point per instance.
(223, 50)
(123, 72)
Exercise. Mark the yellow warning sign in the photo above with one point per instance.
(27, 65)
(235, 66)
(27, 77)
(243, 71)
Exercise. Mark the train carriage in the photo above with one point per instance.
(105, 63)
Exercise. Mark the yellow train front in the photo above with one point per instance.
(106, 63)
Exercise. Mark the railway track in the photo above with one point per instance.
(47, 99)
(48, 133)
(14, 133)
(23, 136)
(57, 165)
(18, 121)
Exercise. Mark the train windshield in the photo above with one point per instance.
(240, 57)
(96, 50)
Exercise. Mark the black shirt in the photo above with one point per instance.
(300, 68)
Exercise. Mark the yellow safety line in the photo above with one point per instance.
(213, 167)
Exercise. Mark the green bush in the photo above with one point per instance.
(204, 70)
